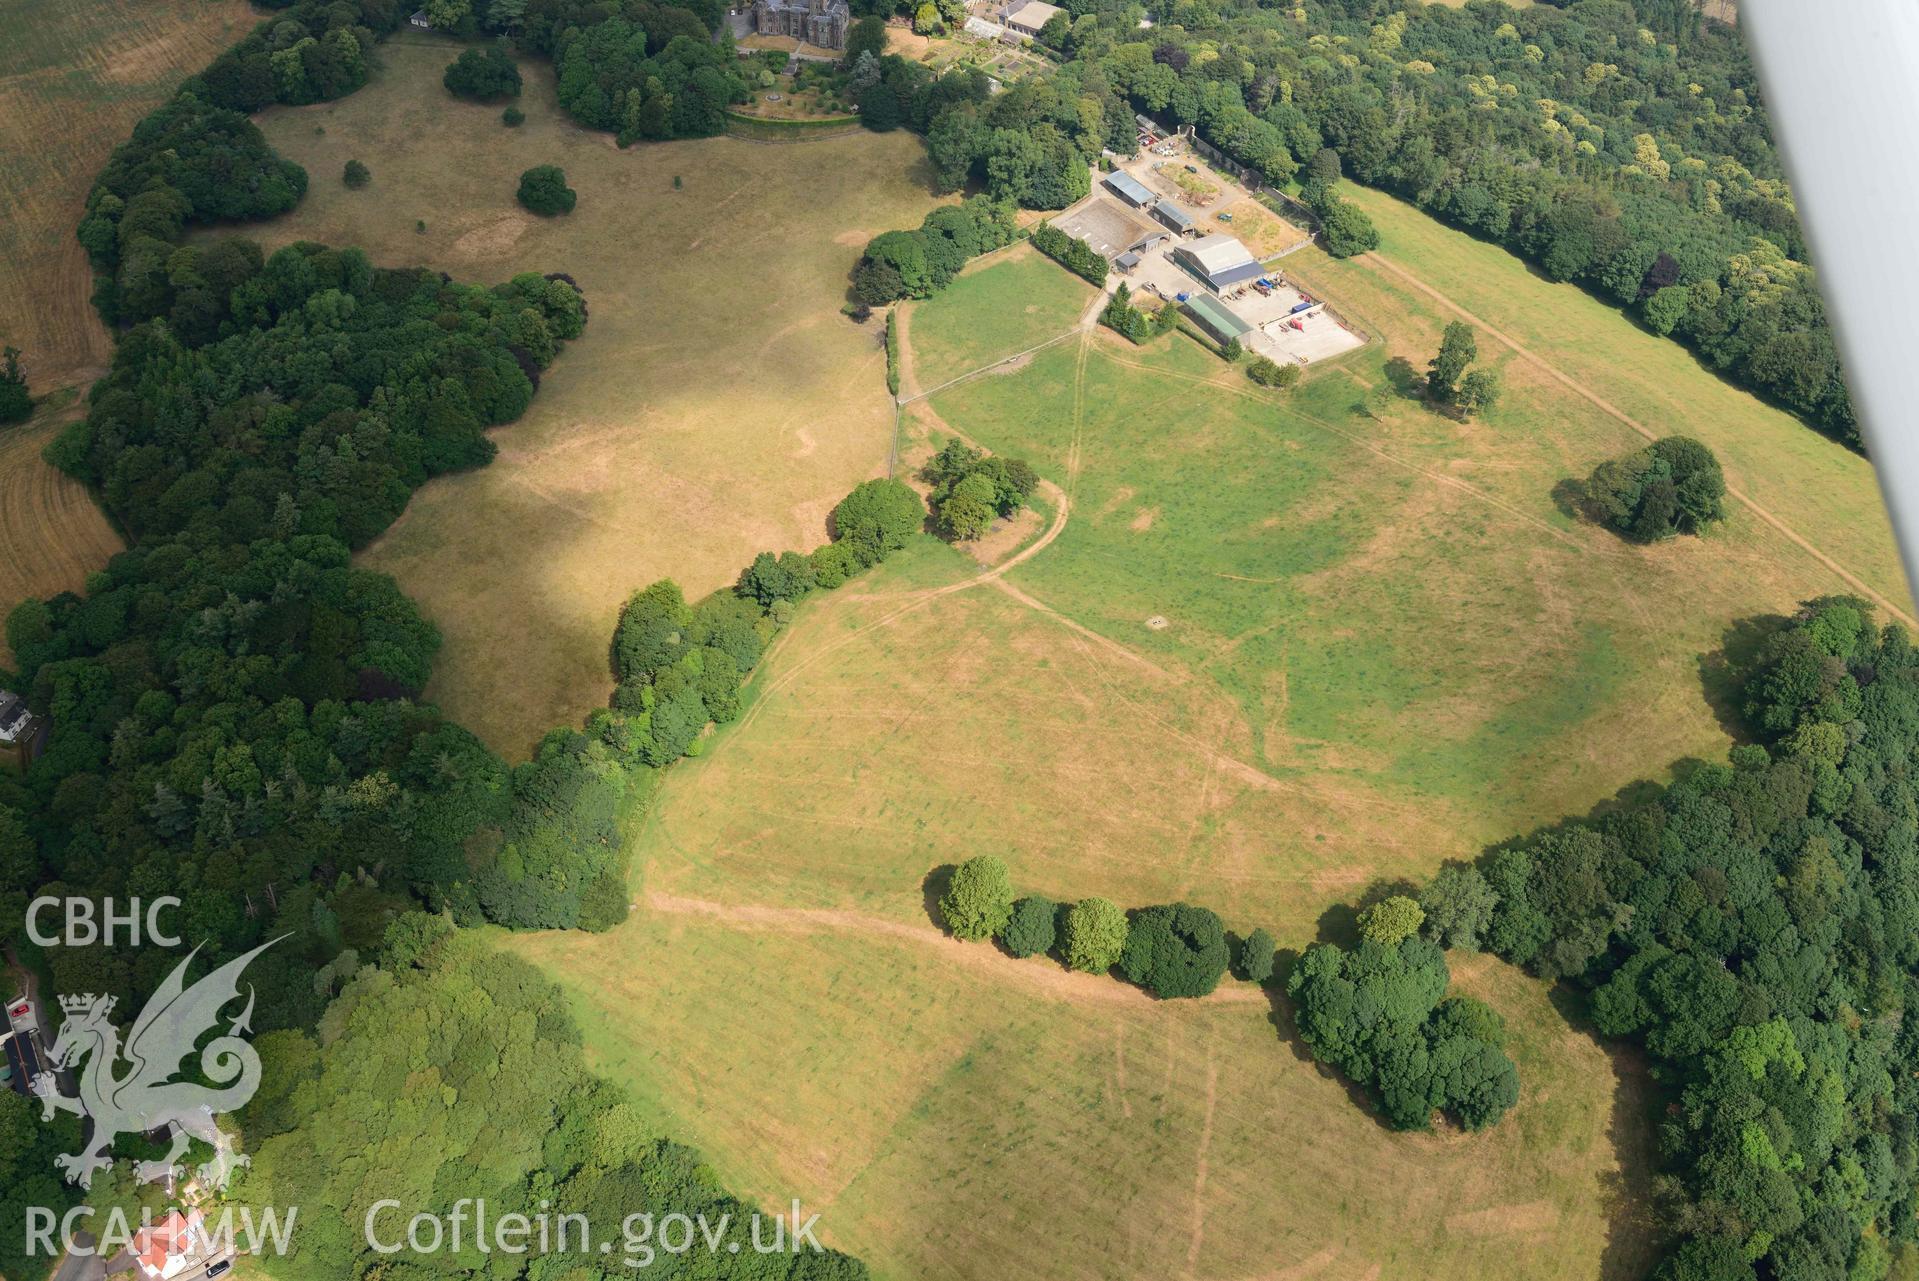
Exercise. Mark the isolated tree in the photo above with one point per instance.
(1033, 927)
(1672, 486)
(16, 402)
(1175, 950)
(979, 901)
(1230, 350)
(1094, 935)
(355, 175)
(877, 519)
(513, 117)
(1457, 349)
(482, 75)
(1390, 920)
(1345, 228)
(1478, 390)
(543, 190)
(1256, 955)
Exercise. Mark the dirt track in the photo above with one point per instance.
(1042, 976)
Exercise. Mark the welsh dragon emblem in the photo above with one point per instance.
(143, 1098)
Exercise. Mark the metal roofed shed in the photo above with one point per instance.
(1215, 319)
(1130, 189)
(1172, 216)
(1219, 260)
(1127, 261)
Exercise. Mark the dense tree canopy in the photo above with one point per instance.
(483, 75)
(1093, 935)
(1381, 1015)
(455, 1071)
(16, 402)
(1755, 925)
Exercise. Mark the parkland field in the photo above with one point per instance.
(717, 405)
(1277, 651)
(73, 80)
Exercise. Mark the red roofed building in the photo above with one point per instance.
(172, 1246)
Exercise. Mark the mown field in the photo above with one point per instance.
(1285, 649)
(52, 535)
(718, 405)
(74, 77)
(783, 1000)
(998, 307)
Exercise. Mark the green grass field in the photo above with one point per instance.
(1826, 493)
(1384, 644)
(782, 999)
(717, 406)
(997, 308)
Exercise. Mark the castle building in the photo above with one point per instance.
(817, 22)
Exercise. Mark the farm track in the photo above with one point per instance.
(1043, 977)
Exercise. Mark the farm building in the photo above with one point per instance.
(1127, 261)
(1215, 319)
(1130, 189)
(1173, 217)
(419, 19)
(1219, 260)
(1026, 17)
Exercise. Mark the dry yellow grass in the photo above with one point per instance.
(74, 77)
(717, 406)
(51, 533)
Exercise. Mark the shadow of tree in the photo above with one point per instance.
(1719, 669)
(933, 889)
(1280, 1015)
(1407, 381)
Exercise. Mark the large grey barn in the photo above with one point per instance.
(1219, 260)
